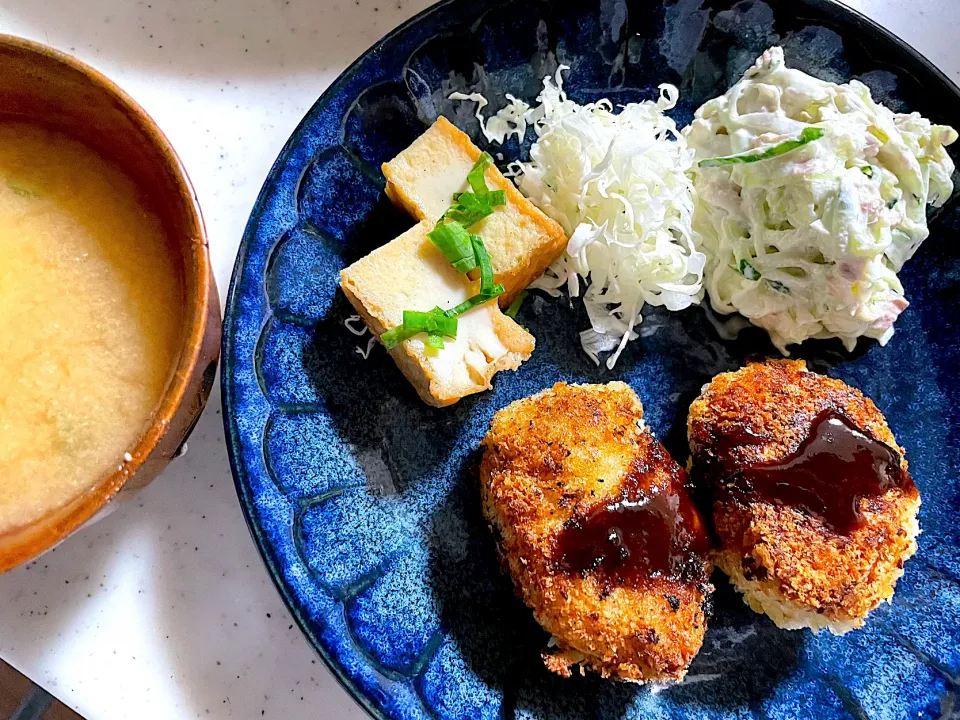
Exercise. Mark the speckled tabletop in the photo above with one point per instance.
(163, 609)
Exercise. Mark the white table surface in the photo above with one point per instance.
(163, 610)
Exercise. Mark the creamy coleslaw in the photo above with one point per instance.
(811, 197)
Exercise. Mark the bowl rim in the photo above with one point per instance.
(57, 524)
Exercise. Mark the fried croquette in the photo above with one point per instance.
(813, 508)
(594, 525)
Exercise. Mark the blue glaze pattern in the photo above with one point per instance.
(364, 501)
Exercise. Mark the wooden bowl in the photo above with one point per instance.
(43, 86)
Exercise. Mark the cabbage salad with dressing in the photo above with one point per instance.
(617, 183)
(791, 200)
(810, 198)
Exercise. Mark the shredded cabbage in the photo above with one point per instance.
(616, 182)
(511, 119)
(807, 244)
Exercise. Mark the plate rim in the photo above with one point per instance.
(232, 310)
(354, 691)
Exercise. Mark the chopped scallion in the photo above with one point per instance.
(515, 305)
(496, 198)
(474, 205)
(430, 322)
(749, 271)
(435, 323)
(468, 210)
(465, 252)
(455, 244)
(807, 136)
(483, 260)
(392, 338)
(477, 299)
(476, 178)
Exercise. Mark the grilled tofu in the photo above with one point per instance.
(521, 240)
(817, 551)
(594, 525)
(410, 273)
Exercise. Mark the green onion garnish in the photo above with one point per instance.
(495, 198)
(392, 338)
(807, 136)
(477, 299)
(468, 210)
(465, 252)
(749, 271)
(483, 260)
(435, 323)
(476, 178)
(454, 242)
(474, 205)
(515, 305)
(867, 170)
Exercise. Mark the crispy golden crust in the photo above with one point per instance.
(788, 562)
(550, 456)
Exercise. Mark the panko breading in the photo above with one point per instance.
(555, 465)
(790, 561)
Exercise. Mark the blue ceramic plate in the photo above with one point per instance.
(364, 501)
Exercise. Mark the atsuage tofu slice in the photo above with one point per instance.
(410, 273)
(521, 240)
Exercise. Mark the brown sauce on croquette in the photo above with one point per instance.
(832, 470)
(648, 532)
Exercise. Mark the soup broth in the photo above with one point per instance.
(91, 315)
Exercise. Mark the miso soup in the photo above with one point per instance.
(91, 316)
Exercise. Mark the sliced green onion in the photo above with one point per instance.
(867, 170)
(515, 305)
(778, 286)
(891, 202)
(495, 198)
(477, 299)
(749, 271)
(454, 242)
(472, 206)
(465, 252)
(468, 210)
(435, 323)
(807, 136)
(483, 260)
(476, 178)
(392, 338)
(430, 322)
(465, 265)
